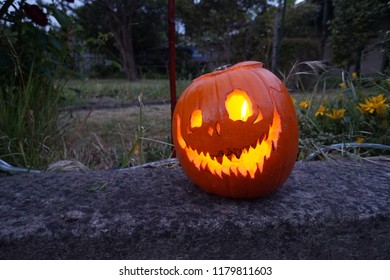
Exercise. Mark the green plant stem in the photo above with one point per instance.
(156, 141)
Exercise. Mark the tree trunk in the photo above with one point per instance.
(122, 13)
(124, 41)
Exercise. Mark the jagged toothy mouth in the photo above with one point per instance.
(244, 161)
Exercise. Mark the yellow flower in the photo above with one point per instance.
(343, 85)
(336, 114)
(305, 103)
(359, 140)
(325, 100)
(321, 111)
(354, 75)
(374, 104)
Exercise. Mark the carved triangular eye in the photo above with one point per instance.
(196, 119)
(238, 105)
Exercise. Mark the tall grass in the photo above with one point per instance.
(32, 58)
(29, 119)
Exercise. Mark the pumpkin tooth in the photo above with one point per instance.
(197, 162)
(254, 145)
(250, 149)
(234, 170)
(218, 172)
(239, 152)
(226, 170)
(252, 171)
(203, 164)
(274, 147)
(242, 170)
(219, 159)
(266, 135)
(260, 164)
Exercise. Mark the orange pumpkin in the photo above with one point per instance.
(235, 131)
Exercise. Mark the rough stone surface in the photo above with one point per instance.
(324, 211)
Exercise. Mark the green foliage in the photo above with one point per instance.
(28, 126)
(301, 21)
(298, 49)
(231, 31)
(358, 111)
(214, 25)
(32, 60)
(353, 25)
(123, 29)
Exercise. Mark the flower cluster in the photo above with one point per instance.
(334, 113)
(346, 116)
(353, 109)
(374, 105)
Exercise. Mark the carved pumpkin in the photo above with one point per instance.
(235, 131)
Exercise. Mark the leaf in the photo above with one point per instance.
(97, 188)
(62, 18)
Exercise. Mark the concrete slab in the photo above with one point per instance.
(324, 211)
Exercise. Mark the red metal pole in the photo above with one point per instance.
(172, 53)
(172, 57)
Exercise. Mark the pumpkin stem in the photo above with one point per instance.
(223, 67)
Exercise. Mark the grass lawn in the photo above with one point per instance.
(117, 91)
(108, 128)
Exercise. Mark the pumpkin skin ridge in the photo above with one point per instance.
(246, 64)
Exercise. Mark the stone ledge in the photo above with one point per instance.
(324, 211)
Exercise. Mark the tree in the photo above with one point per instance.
(115, 17)
(353, 25)
(127, 27)
(213, 25)
(303, 20)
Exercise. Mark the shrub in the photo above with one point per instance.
(33, 58)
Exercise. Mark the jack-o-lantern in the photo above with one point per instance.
(235, 131)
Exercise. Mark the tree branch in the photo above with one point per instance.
(5, 7)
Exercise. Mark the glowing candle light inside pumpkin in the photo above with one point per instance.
(196, 119)
(238, 105)
(244, 109)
